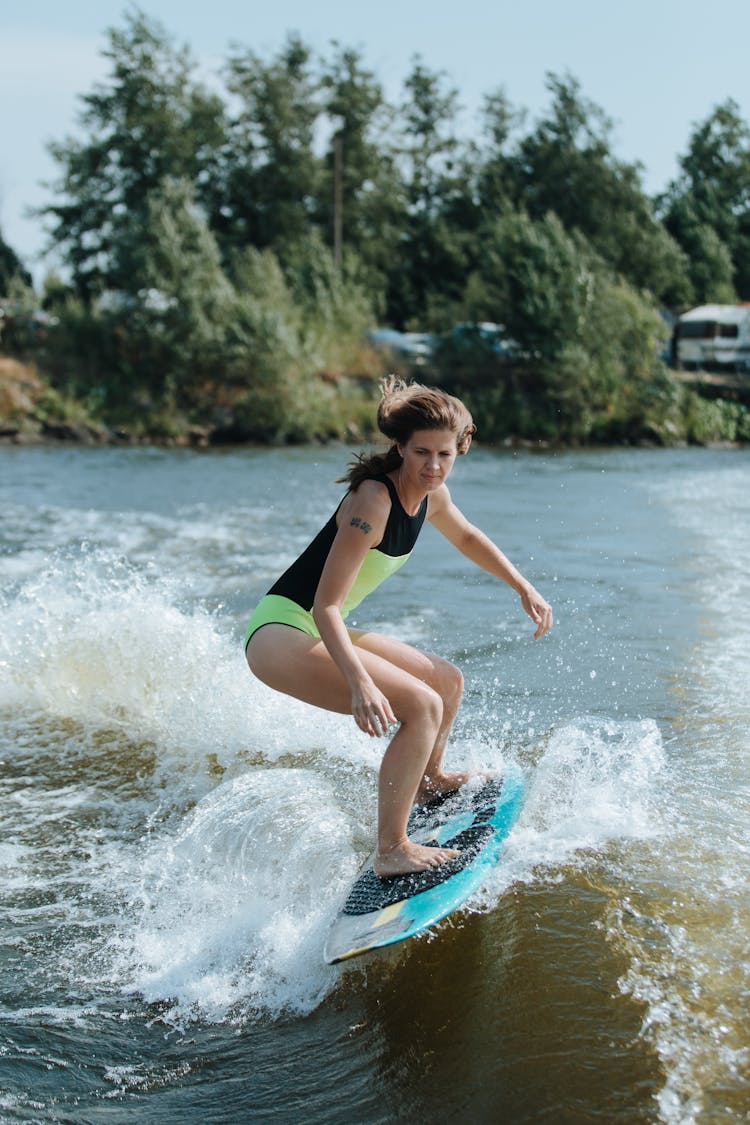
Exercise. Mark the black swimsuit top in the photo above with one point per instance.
(300, 582)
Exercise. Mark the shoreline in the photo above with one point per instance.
(33, 413)
(62, 435)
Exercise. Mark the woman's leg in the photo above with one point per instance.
(444, 678)
(290, 661)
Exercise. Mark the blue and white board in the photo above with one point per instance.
(380, 912)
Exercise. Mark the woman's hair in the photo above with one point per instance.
(404, 408)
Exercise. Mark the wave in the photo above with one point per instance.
(250, 814)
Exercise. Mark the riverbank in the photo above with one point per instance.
(703, 410)
(33, 413)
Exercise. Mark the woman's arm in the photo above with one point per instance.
(362, 519)
(480, 549)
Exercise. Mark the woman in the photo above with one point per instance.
(297, 641)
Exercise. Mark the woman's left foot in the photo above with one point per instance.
(439, 785)
(442, 785)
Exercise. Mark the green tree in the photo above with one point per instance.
(582, 336)
(296, 331)
(185, 302)
(567, 166)
(372, 195)
(149, 120)
(497, 172)
(10, 267)
(536, 279)
(429, 271)
(271, 176)
(712, 192)
(162, 345)
(709, 262)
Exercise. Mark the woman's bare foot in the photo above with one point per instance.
(444, 784)
(439, 785)
(406, 857)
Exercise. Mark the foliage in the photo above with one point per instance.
(707, 208)
(11, 267)
(196, 231)
(566, 166)
(29, 406)
(584, 342)
(705, 421)
(270, 172)
(372, 195)
(196, 343)
(152, 120)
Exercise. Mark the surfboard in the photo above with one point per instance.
(382, 911)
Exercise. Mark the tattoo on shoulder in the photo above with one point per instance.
(360, 523)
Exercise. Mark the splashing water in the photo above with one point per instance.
(177, 838)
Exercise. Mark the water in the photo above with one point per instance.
(175, 839)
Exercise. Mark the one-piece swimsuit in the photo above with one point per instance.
(290, 599)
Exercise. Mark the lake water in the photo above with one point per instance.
(175, 839)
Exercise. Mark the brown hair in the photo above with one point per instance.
(404, 408)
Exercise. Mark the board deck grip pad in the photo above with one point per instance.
(372, 892)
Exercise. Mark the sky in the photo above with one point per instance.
(656, 67)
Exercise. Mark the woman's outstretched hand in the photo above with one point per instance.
(538, 610)
(372, 711)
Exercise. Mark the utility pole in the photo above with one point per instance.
(338, 199)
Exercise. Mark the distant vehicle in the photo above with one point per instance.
(483, 334)
(414, 347)
(714, 336)
(419, 345)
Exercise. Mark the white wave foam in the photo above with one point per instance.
(593, 781)
(222, 911)
(219, 537)
(232, 911)
(227, 917)
(93, 640)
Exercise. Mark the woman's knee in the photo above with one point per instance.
(449, 683)
(423, 706)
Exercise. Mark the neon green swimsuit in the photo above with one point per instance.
(290, 600)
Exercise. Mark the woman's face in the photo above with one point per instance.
(428, 457)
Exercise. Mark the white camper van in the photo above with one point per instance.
(714, 336)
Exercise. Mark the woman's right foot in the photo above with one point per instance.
(406, 857)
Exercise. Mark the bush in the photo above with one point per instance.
(719, 420)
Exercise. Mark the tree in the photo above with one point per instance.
(271, 173)
(430, 268)
(581, 334)
(712, 193)
(149, 120)
(537, 280)
(10, 267)
(566, 165)
(709, 260)
(497, 174)
(372, 194)
(185, 302)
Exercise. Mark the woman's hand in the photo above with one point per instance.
(538, 610)
(372, 711)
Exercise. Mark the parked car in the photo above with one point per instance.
(419, 345)
(483, 334)
(414, 347)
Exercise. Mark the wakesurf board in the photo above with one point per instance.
(382, 911)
